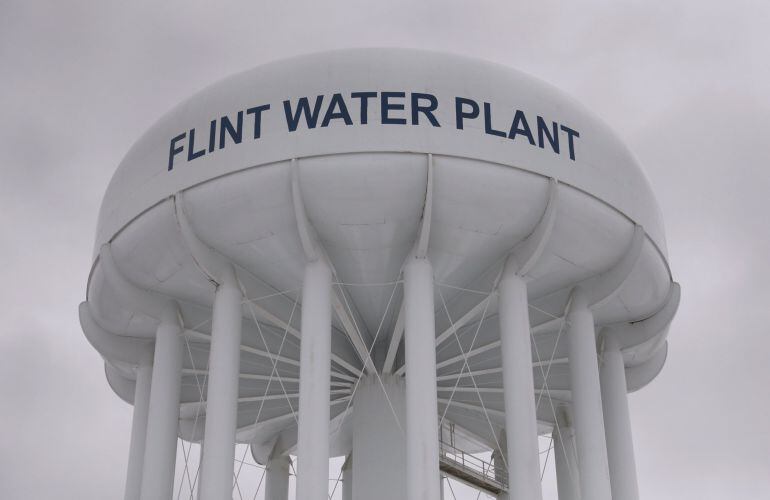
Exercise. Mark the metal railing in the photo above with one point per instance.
(473, 468)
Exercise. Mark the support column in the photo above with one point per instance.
(422, 465)
(347, 478)
(441, 486)
(379, 445)
(499, 459)
(617, 423)
(163, 415)
(314, 383)
(567, 480)
(222, 395)
(197, 483)
(518, 387)
(138, 431)
(277, 478)
(587, 400)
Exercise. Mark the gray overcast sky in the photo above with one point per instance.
(685, 82)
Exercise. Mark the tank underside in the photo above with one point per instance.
(367, 211)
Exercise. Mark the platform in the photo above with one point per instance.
(472, 470)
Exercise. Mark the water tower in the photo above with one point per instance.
(401, 257)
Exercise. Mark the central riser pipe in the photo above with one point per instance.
(277, 478)
(379, 445)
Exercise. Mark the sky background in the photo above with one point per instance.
(686, 83)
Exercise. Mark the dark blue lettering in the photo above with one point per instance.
(427, 110)
(386, 106)
(173, 150)
(392, 112)
(460, 115)
(488, 122)
(570, 134)
(303, 108)
(212, 135)
(364, 97)
(191, 153)
(332, 113)
(520, 126)
(553, 136)
(257, 112)
(236, 134)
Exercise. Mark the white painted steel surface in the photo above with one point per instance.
(523, 457)
(617, 423)
(163, 415)
(378, 439)
(359, 199)
(421, 401)
(138, 431)
(603, 165)
(586, 400)
(347, 478)
(222, 395)
(313, 440)
(277, 478)
(565, 457)
(499, 460)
